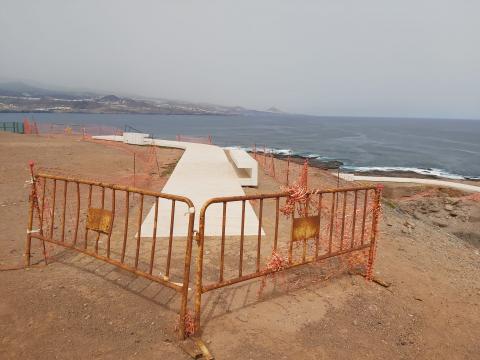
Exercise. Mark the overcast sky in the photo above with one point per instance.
(332, 57)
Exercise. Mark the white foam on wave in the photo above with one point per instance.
(261, 149)
(422, 171)
(430, 171)
(283, 151)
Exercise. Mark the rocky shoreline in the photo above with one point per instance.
(336, 164)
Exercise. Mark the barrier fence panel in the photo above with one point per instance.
(143, 232)
(293, 229)
(286, 172)
(56, 129)
(12, 126)
(84, 130)
(196, 139)
(105, 221)
(287, 169)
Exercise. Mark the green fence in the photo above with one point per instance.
(12, 126)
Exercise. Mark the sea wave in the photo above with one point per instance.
(430, 171)
(421, 171)
(284, 152)
(281, 152)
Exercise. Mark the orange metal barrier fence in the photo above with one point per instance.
(321, 225)
(84, 130)
(295, 228)
(196, 139)
(285, 172)
(105, 221)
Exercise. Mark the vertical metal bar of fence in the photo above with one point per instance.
(304, 249)
(277, 216)
(89, 205)
(199, 268)
(273, 165)
(364, 216)
(139, 230)
(28, 242)
(317, 240)
(53, 208)
(222, 245)
(154, 237)
(64, 209)
(242, 236)
(354, 219)
(373, 235)
(77, 220)
(125, 229)
(170, 240)
(264, 157)
(288, 169)
(134, 171)
(111, 223)
(342, 233)
(306, 173)
(290, 243)
(42, 212)
(259, 240)
(103, 206)
(186, 272)
(332, 217)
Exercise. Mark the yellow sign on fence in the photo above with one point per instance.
(99, 220)
(305, 228)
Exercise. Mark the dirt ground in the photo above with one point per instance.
(78, 307)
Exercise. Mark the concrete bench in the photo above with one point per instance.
(245, 166)
(135, 138)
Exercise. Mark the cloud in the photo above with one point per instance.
(347, 57)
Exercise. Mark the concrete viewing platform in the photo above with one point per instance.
(203, 172)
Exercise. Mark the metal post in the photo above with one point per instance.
(373, 238)
(134, 170)
(199, 273)
(288, 168)
(186, 272)
(306, 173)
(28, 242)
(264, 157)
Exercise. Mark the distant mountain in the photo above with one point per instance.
(21, 97)
(109, 98)
(275, 110)
(20, 89)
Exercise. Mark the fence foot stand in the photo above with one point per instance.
(196, 348)
(44, 253)
(26, 254)
(26, 260)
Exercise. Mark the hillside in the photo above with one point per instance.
(21, 97)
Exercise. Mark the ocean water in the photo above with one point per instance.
(449, 148)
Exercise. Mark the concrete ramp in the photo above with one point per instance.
(203, 172)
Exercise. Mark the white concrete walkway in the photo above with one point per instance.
(450, 184)
(203, 172)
